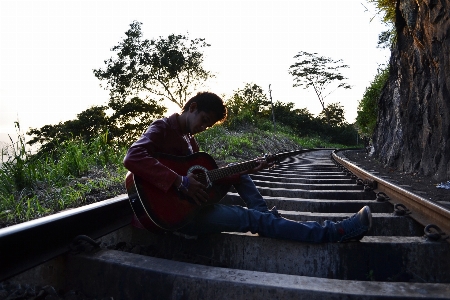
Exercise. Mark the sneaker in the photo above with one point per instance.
(275, 212)
(355, 227)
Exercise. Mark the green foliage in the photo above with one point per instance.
(333, 114)
(125, 125)
(345, 134)
(166, 68)
(35, 185)
(250, 107)
(319, 73)
(387, 9)
(89, 123)
(16, 166)
(368, 105)
(246, 106)
(129, 120)
(228, 146)
(301, 120)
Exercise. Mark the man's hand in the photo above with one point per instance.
(196, 190)
(262, 164)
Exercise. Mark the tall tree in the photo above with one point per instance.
(165, 68)
(320, 73)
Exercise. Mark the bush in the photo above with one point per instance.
(368, 105)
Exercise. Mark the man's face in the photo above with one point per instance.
(200, 121)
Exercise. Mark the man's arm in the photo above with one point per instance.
(140, 159)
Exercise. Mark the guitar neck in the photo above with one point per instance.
(220, 173)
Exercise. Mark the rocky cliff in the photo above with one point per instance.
(413, 130)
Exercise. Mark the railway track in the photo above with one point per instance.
(397, 259)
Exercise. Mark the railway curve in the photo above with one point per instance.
(396, 260)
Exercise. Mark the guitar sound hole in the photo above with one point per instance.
(200, 172)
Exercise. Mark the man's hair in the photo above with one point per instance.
(208, 102)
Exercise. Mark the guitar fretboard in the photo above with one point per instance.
(216, 174)
(220, 173)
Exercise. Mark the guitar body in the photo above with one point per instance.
(171, 210)
(160, 211)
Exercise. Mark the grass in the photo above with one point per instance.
(79, 173)
(32, 187)
(231, 146)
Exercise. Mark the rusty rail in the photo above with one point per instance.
(423, 210)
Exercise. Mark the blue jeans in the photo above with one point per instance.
(256, 218)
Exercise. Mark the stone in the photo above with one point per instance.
(413, 129)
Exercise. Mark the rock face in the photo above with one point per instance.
(413, 130)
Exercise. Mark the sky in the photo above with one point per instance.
(48, 49)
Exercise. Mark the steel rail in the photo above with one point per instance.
(423, 210)
(32, 243)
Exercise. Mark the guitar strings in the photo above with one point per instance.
(216, 174)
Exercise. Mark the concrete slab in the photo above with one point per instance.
(292, 171)
(316, 205)
(381, 258)
(303, 186)
(317, 194)
(312, 175)
(130, 276)
(295, 179)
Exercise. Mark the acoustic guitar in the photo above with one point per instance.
(157, 210)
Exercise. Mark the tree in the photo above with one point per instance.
(246, 104)
(131, 119)
(332, 125)
(299, 119)
(319, 73)
(334, 115)
(166, 68)
(92, 121)
(368, 105)
(125, 125)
